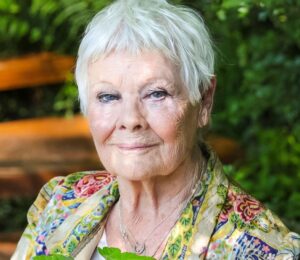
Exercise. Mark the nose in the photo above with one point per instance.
(131, 116)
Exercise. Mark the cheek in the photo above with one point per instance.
(101, 123)
(170, 123)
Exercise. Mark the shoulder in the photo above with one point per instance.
(247, 229)
(84, 184)
(57, 200)
(72, 189)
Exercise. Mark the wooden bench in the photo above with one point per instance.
(35, 150)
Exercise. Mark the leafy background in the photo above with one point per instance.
(257, 44)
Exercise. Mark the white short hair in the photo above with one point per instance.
(177, 32)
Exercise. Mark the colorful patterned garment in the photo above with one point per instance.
(220, 222)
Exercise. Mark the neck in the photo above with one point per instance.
(158, 194)
(147, 210)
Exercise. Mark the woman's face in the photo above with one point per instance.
(140, 117)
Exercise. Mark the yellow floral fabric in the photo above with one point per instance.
(221, 221)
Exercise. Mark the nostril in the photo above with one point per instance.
(133, 118)
(137, 127)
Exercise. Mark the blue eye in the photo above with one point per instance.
(106, 98)
(158, 95)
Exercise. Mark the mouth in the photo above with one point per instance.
(135, 147)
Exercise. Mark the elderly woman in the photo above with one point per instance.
(146, 85)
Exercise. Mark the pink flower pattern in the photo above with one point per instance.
(247, 207)
(266, 249)
(244, 205)
(256, 242)
(227, 209)
(91, 183)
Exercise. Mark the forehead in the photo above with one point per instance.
(143, 66)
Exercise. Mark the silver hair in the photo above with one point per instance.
(177, 32)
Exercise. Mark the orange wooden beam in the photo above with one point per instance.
(7, 249)
(34, 70)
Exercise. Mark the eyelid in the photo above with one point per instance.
(152, 92)
(169, 87)
(107, 92)
(101, 95)
(158, 88)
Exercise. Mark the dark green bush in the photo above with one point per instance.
(258, 93)
(44, 25)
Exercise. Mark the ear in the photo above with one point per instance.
(206, 103)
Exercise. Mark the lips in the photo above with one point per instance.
(135, 146)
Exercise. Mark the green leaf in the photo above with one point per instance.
(175, 247)
(112, 253)
(185, 221)
(187, 235)
(222, 191)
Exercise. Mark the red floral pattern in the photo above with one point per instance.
(91, 183)
(242, 204)
(247, 207)
(227, 209)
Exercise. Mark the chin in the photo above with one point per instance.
(136, 171)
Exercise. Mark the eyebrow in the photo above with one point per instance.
(152, 81)
(148, 83)
(102, 83)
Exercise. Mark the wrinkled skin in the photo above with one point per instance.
(144, 129)
(140, 116)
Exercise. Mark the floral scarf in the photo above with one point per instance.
(220, 222)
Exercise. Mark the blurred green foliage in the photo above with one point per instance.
(258, 72)
(13, 213)
(258, 95)
(44, 25)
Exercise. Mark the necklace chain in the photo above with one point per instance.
(137, 247)
(140, 247)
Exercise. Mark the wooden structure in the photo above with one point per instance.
(35, 150)
(34, 70)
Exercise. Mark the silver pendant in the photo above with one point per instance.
(139, 248)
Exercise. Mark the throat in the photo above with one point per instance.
(142, 225)
(148, 235)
